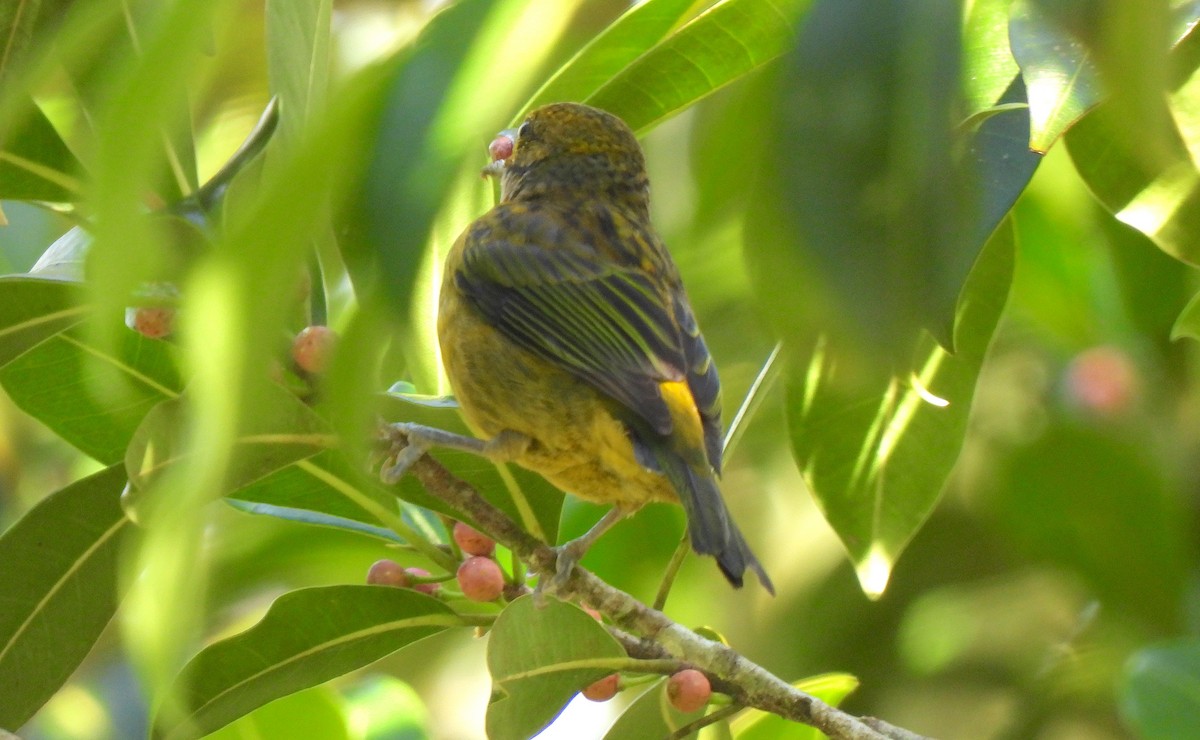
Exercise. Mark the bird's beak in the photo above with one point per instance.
(501, 151)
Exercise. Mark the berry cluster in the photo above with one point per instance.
(688, 690)
(479, 576)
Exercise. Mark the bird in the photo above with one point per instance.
(569, 340)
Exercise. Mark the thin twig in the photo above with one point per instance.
(749, 684)
(668, 580)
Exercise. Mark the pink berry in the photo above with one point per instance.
(425, 588)
(472, 541)
(154, 322)
(313, 348)
(480, 579)
(500, 148)
(1102, 380)
(387, 573)
(604, 689)
(689, 690)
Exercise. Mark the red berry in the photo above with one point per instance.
(154, 322)
(387, 573)
(480, 579)
(604, 689)
(313, 347)
(689, 690)
(425, 588)
(1102, 380)
(500, 148)
(472, 541)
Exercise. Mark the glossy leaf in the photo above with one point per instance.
(623, 41)
(876, 454)
(61, 589)
(1153, 194)
(729, 40)
(1160, 691)
(539, 659)
(830, 688)
(289, 650)
(1058, 68)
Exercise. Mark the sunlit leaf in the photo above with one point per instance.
(298, 58)
(291, 649)
(60, 589)
(876, 454)
(539, 659)
(731, 39)
(623, 41)
(35, 163)
(1060, 74)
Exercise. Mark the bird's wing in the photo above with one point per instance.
(608, 321)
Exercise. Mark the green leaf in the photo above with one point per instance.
(1153, 194)
(526, 497)
(325, 484)
(876, 453)
(623, 41)
(60, 590)
(283, 431)
(539, 659)
(830, 688)
(298, 59)
(728, 41)
(34, 309)
(137, 374)
(1059, 72)
(651, 717)
(307, 637)
(1188, 323)
(316, 712)
(35, 163)
(1160, 690)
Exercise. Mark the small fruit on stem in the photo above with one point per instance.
(689, 690)
(425, 588)
(313, 348)
(472, 541)
(604, 689)
(387, 573)
(480, 579)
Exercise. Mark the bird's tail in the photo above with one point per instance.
(710, 526)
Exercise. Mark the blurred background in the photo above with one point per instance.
(1064, 541)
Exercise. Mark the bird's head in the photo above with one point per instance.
(569, 149)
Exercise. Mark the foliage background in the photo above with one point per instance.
(1060, 561)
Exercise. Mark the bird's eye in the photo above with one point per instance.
(525, 131)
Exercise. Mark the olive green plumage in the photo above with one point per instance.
(563, 318)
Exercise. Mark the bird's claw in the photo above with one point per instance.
(567, 557)
(406, 448)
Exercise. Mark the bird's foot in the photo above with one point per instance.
(408, 442)
(567, 556)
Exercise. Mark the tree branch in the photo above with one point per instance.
(745, 682)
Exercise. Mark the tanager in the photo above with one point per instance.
(569, 340)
